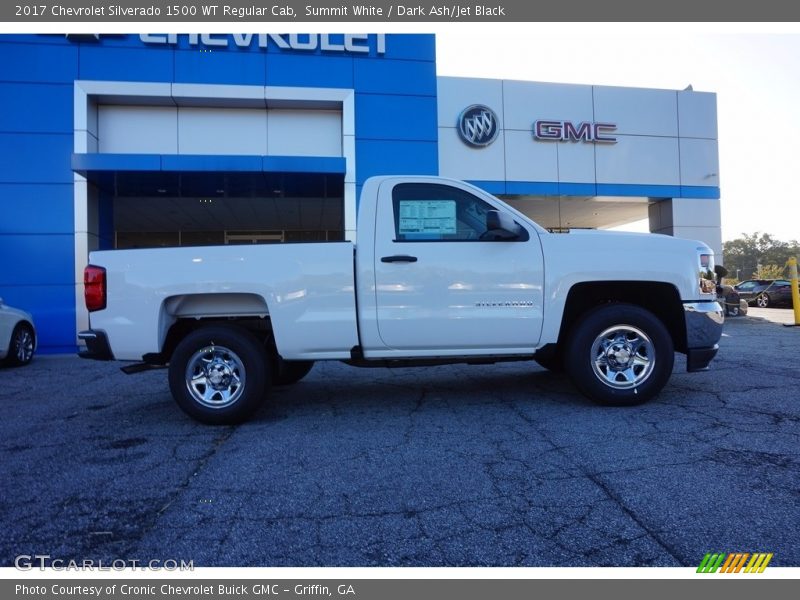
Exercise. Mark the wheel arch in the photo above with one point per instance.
(30, 326)
(660, 298)
(184, 313)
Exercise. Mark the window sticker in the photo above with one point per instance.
(427, 217)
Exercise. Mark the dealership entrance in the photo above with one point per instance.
(170, 209)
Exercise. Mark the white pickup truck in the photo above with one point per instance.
(442, 272)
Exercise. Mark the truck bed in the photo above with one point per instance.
(307, 288)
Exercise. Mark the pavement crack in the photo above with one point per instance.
(635, 518)
(200, 464)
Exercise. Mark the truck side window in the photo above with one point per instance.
(439, 213)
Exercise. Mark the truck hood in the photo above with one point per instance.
(590, 255)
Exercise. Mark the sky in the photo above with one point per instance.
(756, 77)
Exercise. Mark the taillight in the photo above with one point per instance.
(94, 287)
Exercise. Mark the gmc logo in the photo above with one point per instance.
(566, 131)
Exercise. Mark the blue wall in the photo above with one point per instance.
(396, 132)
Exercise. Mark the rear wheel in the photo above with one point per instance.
(763, 300)
(619, 355)
(219, 375)
(20, 348)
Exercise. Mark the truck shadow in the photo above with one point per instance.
(384, 390)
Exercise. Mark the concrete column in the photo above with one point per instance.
(689, 218)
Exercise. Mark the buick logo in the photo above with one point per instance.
(477, 125)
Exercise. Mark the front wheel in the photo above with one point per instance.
(20, 349)
(619, 355)
(219, 375)
(762, 300)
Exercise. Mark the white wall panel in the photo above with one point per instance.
(349, 152)
(304, 133)
(575, 162)
(710, 235)
(460, 161)
(526, 102)
(697, 114)
(691, 212)
(637, 111)
(350, 212)
(217, 130)
(699, 162)
(684, 212)
(457, 93)
(527, 160)
(137, 129)
(689, 219)
(228, 131)
(204, 94)
(638, 160)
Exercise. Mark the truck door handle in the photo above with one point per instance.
(399, 258)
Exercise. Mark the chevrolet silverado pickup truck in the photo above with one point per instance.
(442, 272)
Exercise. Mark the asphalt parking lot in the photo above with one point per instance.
(494, 465)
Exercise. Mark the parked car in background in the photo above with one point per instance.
(765, 292)
(17, 336)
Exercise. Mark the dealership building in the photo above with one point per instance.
(126, 141)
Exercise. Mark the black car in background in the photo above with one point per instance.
(765, 292)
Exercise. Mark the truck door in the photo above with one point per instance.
(444, 284)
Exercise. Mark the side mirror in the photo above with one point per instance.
(501, 227)
(720, 271)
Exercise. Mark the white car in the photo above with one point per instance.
(17, 336)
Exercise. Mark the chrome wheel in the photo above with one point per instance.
(762, 300)
(623, 357)
(215, 376)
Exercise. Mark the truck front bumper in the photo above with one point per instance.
(704, 322)
(97, 346)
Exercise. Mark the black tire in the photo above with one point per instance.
(21, 345)
(619, 355)
(732, 302)
(763, 300)
(291, 371)
(231, 374)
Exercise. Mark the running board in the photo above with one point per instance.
(140, 368)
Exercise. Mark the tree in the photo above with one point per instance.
(746, 257)
(772, 272)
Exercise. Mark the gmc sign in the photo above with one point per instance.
(566, 131)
